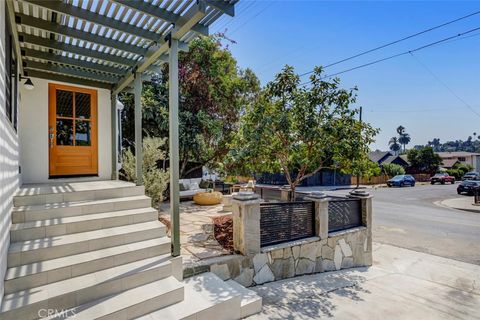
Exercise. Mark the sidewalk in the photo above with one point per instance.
(463, 203)
(402, 284)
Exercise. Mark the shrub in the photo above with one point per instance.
(154, 178)
(455, 173)
(391, 169)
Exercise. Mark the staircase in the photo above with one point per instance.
(96, 250)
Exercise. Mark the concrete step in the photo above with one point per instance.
(66, 192)
(29, 251)
(251, 302)
(75, 208)
(73, 292)
(59, 226)
(206, 297)
(49, 271)
(130, 304)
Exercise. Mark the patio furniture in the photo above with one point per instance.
(208, 198)
(189, 188)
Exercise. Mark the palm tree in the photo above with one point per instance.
(400, 130)
(404, 140)
(394, 145)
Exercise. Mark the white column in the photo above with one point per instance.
(114, 120)
(173, 145)
(137, 84)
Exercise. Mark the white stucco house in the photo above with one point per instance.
(75, 241)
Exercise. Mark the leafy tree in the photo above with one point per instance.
(392, 169)
(394, 145)
(424, 160)
(300, 130)
(213, 93)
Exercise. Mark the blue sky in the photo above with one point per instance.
(270, 34)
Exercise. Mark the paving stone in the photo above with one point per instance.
(259, 261)
(305, 266)
(337, 258)
(296, 252)
(264, 275)
(347, 262)
(221, 270)
(328, 265)
(245, 278)
(327, 252)
(309, 251)
(347, 251)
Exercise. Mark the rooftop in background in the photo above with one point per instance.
(102, 43)
(457, 154)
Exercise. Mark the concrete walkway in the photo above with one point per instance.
(462, 203)
(402, 284)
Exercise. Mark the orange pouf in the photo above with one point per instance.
(207, 198)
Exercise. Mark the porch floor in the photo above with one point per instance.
(71, 186)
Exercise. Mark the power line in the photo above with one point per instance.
(253, 17)
(395, 42)
(397, 55)
(445, 85)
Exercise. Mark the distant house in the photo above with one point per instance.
(385, 157)
(449, 159)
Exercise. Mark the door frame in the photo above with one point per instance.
(52, 116)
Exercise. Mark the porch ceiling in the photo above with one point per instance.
(103, 43)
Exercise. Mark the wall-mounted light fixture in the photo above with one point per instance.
(28, 84)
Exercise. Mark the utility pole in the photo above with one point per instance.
(358, 175)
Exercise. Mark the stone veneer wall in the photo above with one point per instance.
(343, 249)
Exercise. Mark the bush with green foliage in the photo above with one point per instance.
(459, 170)
(155, 179)
(392, 169)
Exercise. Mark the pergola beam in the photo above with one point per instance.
(160, 13)
(223, 6)
(52, 57)
(64, 78)
(103, 20)
(64, 30)
(49, 67)
(59, 46)
(194, 14)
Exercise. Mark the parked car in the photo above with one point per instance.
(442, 178)
(471, 176)
(468, 187)
(401, 181)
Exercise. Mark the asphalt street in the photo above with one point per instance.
(409, 218)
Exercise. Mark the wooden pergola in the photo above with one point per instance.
(114, 44)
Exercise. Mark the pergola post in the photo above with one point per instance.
(173, 145)
(114, 129)
(137, 90)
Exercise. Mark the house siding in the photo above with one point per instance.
(9, 160)
(33, 124)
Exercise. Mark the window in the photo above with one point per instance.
(461, 159)
(10, 75)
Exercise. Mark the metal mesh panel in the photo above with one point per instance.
(269, 193)
(344, 214)
(286, 221)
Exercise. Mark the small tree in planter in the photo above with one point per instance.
(300, 130)
(154, 178)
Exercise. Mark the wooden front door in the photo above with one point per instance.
(72, 126)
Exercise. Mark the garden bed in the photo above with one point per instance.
(223, 231)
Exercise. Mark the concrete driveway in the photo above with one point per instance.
(402, 284)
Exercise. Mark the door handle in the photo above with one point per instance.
(51, 136)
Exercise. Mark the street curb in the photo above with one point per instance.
(445, 205)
